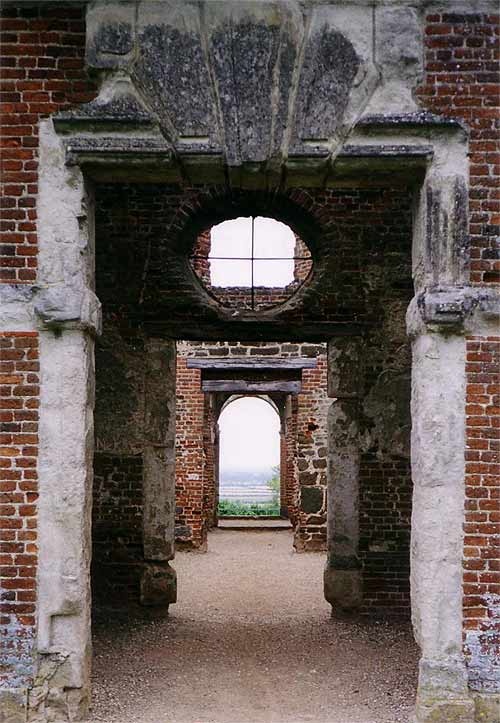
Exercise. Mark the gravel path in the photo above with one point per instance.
(251, 641)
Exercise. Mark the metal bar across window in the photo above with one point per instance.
(254, 258)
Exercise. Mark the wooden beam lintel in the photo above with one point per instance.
(240, 385)
(252, 363)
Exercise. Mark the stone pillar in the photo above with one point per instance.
(435, 322)
(65, 468)
(68, 316)
(158, 583)
(438, 429)
(342, 576)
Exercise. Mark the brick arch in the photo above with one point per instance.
(220, 204)
(236, 397)
(223, 204)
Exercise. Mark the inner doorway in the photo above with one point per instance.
(249, 459)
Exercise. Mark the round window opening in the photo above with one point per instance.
(251, 263)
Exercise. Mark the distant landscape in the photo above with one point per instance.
(243, 487)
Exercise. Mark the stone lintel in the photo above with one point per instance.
(414, 120)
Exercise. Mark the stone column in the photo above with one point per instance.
(438, 429)
(435, 321)
(65, 469)
(68, 316)
(158, 583)
(342, 576)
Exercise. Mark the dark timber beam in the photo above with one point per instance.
(252, 363)
(241, 385)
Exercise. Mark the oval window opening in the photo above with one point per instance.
(251, 262)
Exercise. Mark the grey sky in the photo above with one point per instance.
(249, 435)
(234, 238)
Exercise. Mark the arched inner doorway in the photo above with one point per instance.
(249, 458)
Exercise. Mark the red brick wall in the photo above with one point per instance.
(462, 81)
(384, 533)
(19, 393)
(41, 72)
(312, 441)
(190, 523)
(117, 552)
(482, 508)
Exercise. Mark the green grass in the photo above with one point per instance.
(240, 509)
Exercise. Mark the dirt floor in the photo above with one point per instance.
(252, 641)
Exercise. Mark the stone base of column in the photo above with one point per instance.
(158, 585)
(13, 705)
(448, 711)
(487, 707)
(443, 694)
(343, 588)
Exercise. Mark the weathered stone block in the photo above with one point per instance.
(158, 585)
(311, 499)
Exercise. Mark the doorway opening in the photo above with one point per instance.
(249, 459)
(225, 356)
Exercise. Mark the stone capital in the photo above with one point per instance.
(63, 307)
(456, 310)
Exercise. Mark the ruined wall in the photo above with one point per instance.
(117, 510)
(292, 476)
(482, 514)
(311, 455)
(210, 461)
(41, 71)
(364, 273)
(190, 522)
(19, 392)
(462, 80)
(309, 416)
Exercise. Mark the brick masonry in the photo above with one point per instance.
(482, 512)
(462, 80)
(19, 393)
(117, 529)
(191, 528)
(42, 71)
(303, 454)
